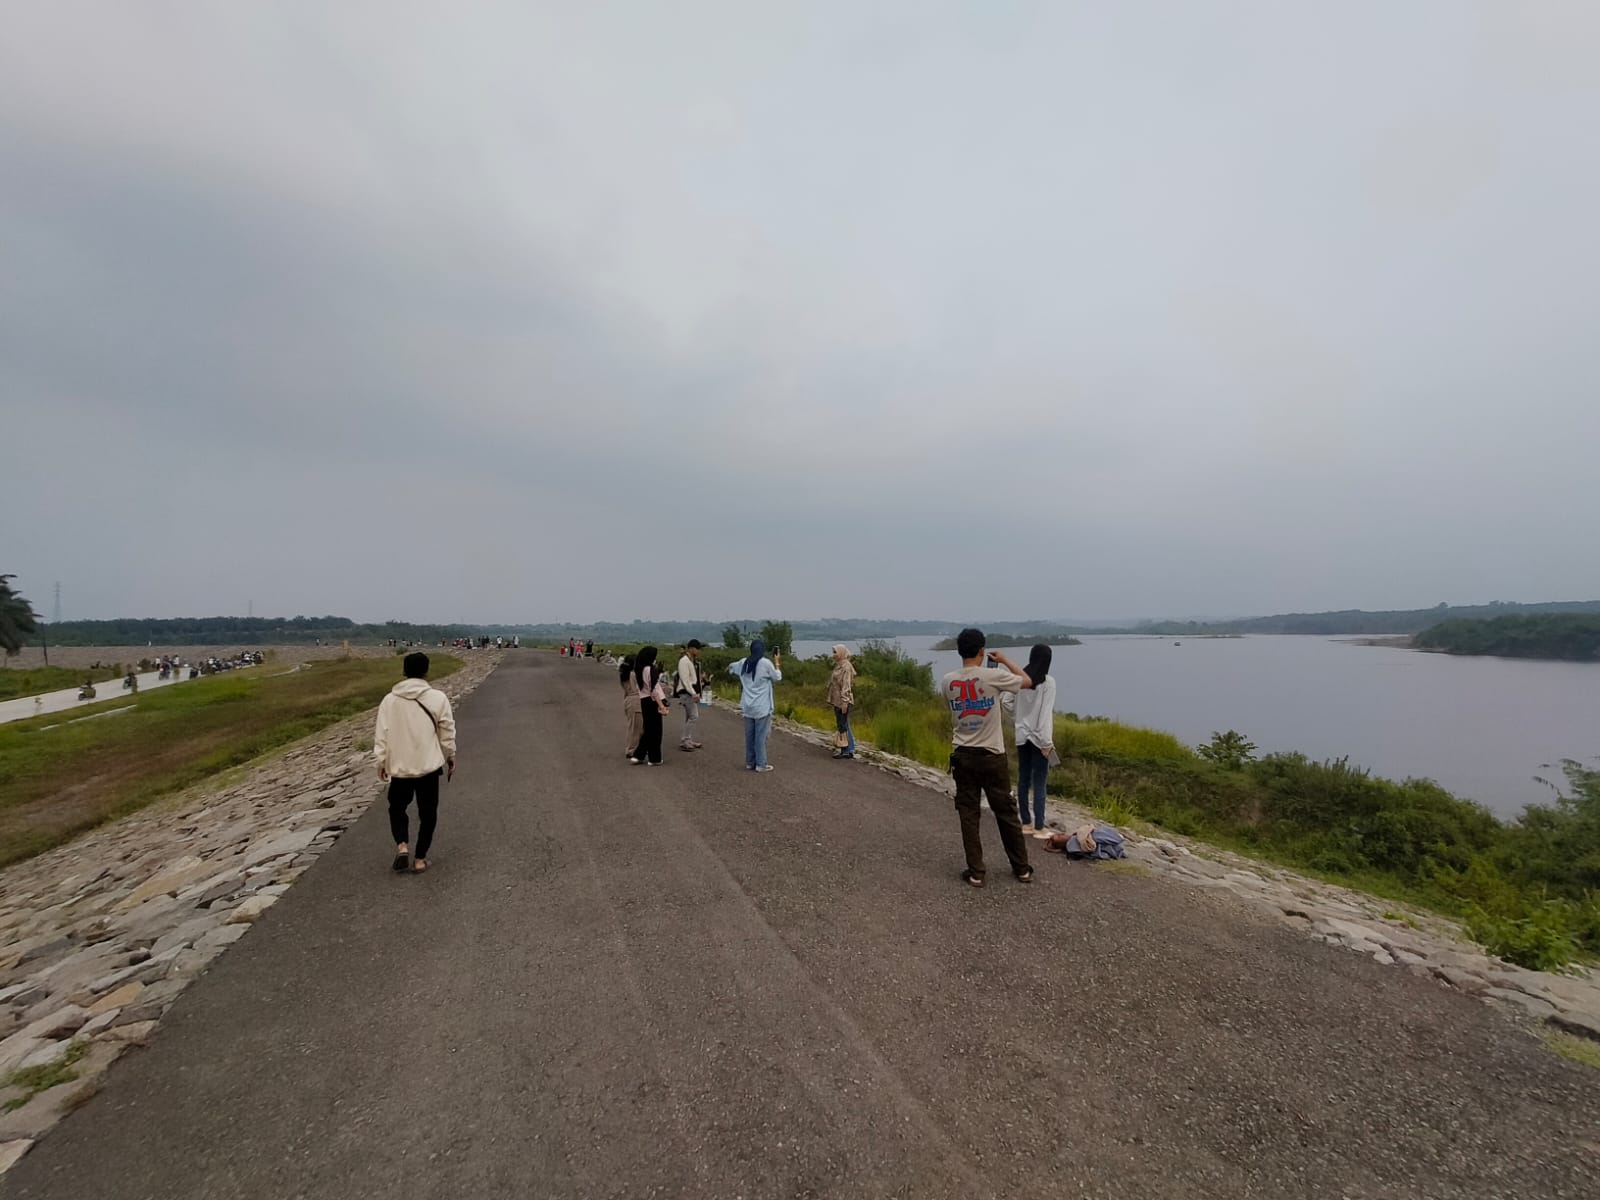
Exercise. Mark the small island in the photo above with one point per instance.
(1009, 641)
(1569, 637)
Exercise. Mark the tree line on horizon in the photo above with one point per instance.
(19, 623)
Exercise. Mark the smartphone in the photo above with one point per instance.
(993, 661)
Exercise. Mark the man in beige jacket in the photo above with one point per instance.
(414, 743)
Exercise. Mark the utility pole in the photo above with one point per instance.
(55, 611)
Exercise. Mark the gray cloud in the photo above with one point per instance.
(491, 312)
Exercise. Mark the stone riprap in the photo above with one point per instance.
(1408, 938)
(99, 937)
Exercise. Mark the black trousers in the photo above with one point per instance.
(650, 739)
(426, 789)
(978, 774)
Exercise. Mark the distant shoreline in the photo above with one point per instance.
(1008, 641)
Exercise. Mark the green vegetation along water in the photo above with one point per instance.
(1572, 637)
(1529, 888)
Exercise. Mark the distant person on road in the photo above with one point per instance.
(1035, 711)
(414, 743)
(756, 674)
(978, 755)
(630, 706)
(652, 706)
(842, 695)
(688, 693)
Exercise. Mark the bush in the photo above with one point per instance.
(1540, 941)
(1231, 750)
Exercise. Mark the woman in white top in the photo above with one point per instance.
(1035, 713)
(652, 706)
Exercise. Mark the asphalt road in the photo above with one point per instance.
(696, 981)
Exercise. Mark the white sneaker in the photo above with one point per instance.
(768, 767)
(1027, 828)
(1041, 834)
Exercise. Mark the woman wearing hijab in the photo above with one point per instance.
(652, 706)
(630, 706)
(757, 674)
(842, 695)
(1035, 718)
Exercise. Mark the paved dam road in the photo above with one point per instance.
(696, 981)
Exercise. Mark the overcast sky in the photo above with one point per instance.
(527, 312)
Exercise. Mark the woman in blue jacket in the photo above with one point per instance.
(757, 673)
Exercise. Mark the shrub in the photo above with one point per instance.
(1539, 941)
(1231, 750)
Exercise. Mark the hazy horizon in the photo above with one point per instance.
(538, 313)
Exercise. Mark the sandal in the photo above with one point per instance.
(402, 859)
(419, 866)
(973, 878)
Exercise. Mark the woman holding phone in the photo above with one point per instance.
(756, 674)
(1035, 711)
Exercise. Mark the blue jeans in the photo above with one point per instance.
(841, 719)
(756, 730)
(1033, 770)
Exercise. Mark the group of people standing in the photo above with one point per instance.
(414, 740)
(646, 705)
(987, 682)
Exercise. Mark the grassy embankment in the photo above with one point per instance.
(1529, 890)
(1574, 637)
(35, 681)
(60, 775)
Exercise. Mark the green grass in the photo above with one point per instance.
(60, 775)
(1570, 1046)
(40, 1079)
(35, 681)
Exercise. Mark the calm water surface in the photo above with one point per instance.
(1481, 727)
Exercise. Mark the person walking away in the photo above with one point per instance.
(414, 744)
(630, 706)
(756, 674)
(1035, 711)
(978, 753)
(842, 695)
(689, 694)
(652, 706)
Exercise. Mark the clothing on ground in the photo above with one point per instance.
(416, 731)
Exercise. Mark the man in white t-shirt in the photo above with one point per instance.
(978, 756)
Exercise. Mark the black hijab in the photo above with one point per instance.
(644, 661)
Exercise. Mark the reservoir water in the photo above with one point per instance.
(1484, 728)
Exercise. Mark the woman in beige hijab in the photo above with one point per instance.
(842, 695)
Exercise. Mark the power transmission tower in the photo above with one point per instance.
(55, 609)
